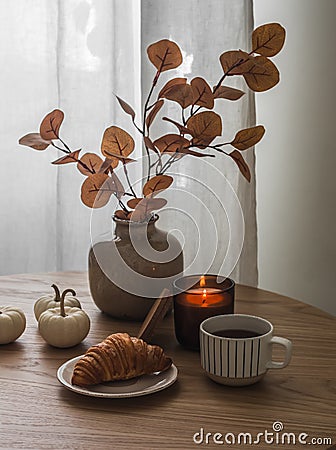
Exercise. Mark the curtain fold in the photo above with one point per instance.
(203, 206)
(96, 46)
(75, 55)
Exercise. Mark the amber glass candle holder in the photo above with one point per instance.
(196, 298)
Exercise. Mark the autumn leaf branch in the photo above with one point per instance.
(199, 128)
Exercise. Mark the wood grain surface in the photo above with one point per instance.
(37, 412)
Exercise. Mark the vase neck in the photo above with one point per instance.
(124, 229)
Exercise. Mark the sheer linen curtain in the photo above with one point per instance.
(71, 55)
(74, 55)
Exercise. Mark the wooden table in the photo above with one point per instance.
(37, 412)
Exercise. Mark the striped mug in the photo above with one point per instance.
(236, 349)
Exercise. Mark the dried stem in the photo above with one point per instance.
(59, 148)
(121, 204)
(183, 119)
(214, 147)
(136, 126)
(65, 145)
(168, 163)
(224, 143)
(152, 105)
(128, 180)
(73, 157)
(146, 109)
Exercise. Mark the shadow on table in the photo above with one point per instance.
(156, 399)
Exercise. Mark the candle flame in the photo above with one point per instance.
(204, 296)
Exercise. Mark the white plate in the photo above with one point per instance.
(144, 385)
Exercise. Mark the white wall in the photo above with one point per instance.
(296, 161)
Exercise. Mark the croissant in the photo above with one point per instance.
(118, 357)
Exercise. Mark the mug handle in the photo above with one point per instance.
(288, 346)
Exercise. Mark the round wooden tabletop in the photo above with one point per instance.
(295, 403)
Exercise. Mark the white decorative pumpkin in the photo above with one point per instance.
(12, 323)
(65, 326)
(53, 301)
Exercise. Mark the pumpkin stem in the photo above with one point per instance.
(73, 293)
(57, 293)
(62, 299)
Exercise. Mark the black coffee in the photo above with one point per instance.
(237, 334)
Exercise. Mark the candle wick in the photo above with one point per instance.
(204, 296)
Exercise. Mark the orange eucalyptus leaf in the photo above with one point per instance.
(50, 125)
(69, 158)
(121, 158)
(182, 94)
(108, 164)
(262, 75)
(144, 206)
(171, 143)
(95, 192)
(205, 126)
(140, 211)
(116, 185)
(120, 214)
(92, 161)
(241, 163)
(138, 215)
(170, 84)
(188, 151)
(117, 141)
(149, 144)
(127, 160)
(235, 62)
(156, 184)
(153, 112)
(126, 107)
(165, 55)
(268, 40)
(134, 202)
(155, 203)
(35, 141)
(202, 94)
(248, 137)
(228, 93)
(181, 128)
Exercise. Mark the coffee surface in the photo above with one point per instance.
(236, 333)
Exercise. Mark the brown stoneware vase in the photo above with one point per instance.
(128, 273)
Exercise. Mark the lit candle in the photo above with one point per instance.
(204, 298)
